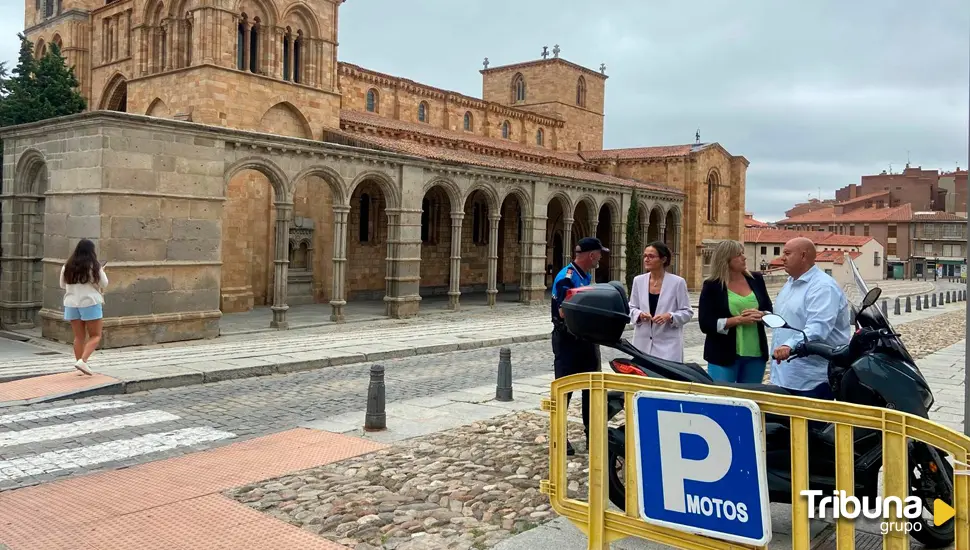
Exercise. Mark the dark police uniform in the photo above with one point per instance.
(572, 355)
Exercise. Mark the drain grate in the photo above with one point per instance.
(863, 541)
(48, 353)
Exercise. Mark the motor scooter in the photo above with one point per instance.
(873, 369)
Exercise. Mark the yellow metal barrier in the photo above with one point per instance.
(603, 526)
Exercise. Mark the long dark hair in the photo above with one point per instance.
(83, 267)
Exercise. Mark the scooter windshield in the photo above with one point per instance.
(875, 313)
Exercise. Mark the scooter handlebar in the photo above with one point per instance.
(803, 349)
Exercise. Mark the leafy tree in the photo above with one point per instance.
(39, 90)
(634, 246)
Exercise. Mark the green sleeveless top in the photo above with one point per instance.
(748, 342)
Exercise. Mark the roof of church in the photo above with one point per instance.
(534, 62)
(464, 148)
(645, 152)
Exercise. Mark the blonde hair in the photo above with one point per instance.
(721, 260)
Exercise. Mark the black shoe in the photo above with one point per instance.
(570, 451)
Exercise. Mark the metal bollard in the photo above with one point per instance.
(376, 419)
(885, 308)
(948, 297)
(919, 303)
(941, 299)
(503, 390)
(909, 305)
(934, 299)
(896, 308)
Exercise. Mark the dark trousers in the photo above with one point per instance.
(821, 391)
(573, 356)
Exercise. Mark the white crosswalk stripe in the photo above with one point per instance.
(19, 462)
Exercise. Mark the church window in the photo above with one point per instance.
(287, 53)
(49, 8)
(298, 58)
(540, 137)
(423, 112)
(506, 129)
(712, 206)
(518, 88)
(241, 46)
(364, 229)
(254, 47)
(468, 121)
(372, 101)
(581, 92)
(187, 40)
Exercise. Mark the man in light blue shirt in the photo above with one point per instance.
(811, 300)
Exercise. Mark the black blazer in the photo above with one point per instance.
(722, 349)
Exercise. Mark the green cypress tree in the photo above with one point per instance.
(634, 246)
(39, 90)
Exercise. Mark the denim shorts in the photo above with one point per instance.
(90, 313)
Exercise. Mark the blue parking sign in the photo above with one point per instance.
(702, 465)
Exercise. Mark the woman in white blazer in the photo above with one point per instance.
(659, 306)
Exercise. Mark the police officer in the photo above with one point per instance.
(573, 356)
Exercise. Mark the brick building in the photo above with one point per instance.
(810, 206)
(230, 161)
(925, 190)
(915, 242)
(763, 248)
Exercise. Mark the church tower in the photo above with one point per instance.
(554, 87)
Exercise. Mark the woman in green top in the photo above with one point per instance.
(732, 302)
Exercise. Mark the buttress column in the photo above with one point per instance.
(338, 299)
(454, 285)
(284, 211)
(492, 290)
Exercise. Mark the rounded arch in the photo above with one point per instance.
(565, 201)
(659, 210)
(451, 189)
(372, 100)
(590, 203)
(714, 175)
(643, 208)
(517, 88)
(285, 119)
(678, 215)
(277, 178)
(114, 97)
(491, 196)
(333, 179)
(40, 48)
(300, 12)
(154, 12)
(263, 9)
(182, 8)
(614, 207)
(525, 201)
(58, 41)
(30, 165)
(386, 184)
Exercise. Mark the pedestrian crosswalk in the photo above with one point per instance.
(60, 440)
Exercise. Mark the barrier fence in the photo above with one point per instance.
(604, 526)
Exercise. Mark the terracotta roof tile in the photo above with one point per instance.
(870, 196)
(901, 213)
(662, 151)
(462, 156)
(938, 217)
(377, 121)
(834, 239)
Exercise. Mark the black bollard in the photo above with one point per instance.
(948, 297)
(909, 305)
(885, 308)
(376, 419)
(919, 303)
(896, 307)
(934, 300)
(941, 299)
(503, 390)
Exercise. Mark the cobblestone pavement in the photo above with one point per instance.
(460, 489)
(43, 442)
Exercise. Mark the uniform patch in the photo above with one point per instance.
(569, 273)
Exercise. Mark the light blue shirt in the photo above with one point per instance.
(816, 304)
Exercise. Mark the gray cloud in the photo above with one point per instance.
(814, 94)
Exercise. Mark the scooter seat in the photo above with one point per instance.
(767, 388)
(686, 372)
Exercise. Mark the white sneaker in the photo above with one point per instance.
(82, 366)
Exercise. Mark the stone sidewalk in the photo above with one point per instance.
(131, 370)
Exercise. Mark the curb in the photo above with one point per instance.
(261, 367)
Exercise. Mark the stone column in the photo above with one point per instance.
(284, 211)
(662, 233)
(246, 42)
(676, 249)
(404, 262)
(492, 290)
(534, 235)
(567, 237)
(127, 33)
(171, 30)
(618, 253)
(645, 233)
(338, 298)
(454, 283)
(277, 58)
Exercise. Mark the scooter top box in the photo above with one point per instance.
(598, 313)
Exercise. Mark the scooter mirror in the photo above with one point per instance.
(774, 321)
(871, 297)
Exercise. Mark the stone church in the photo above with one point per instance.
(229, 161)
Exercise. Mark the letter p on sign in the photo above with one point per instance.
(701, 465)
(671, 425)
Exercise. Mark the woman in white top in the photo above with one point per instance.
(83, 280)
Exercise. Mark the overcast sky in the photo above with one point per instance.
(814, 94)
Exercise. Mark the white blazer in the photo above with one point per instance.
(662, 341)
